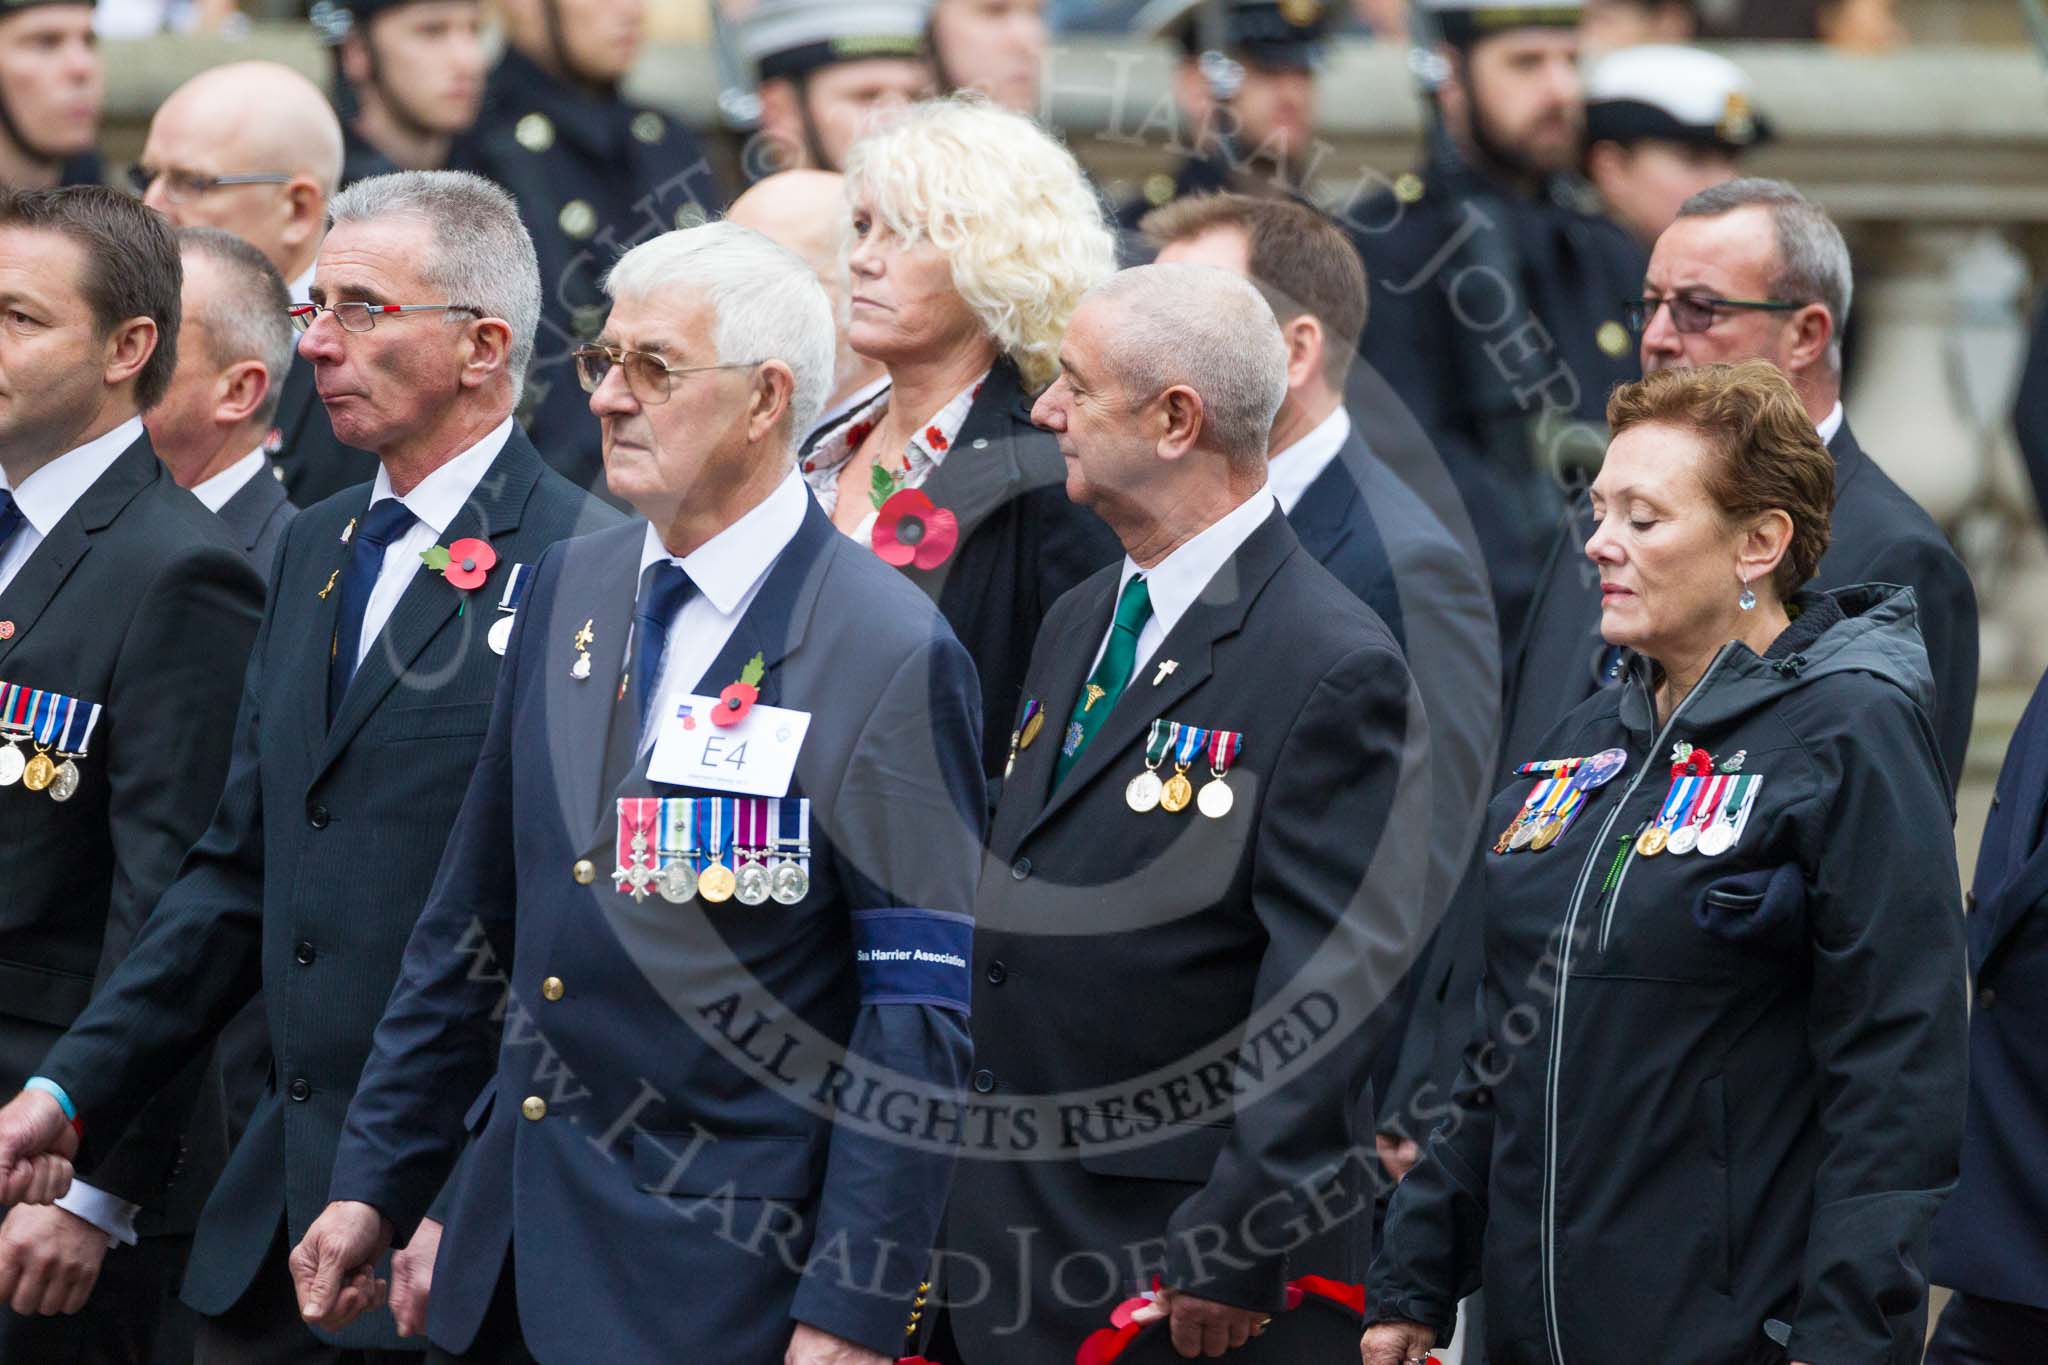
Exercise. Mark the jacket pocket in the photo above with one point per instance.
(695, 1164)
(1714, 1126)
(480, 1109)
(1175, 1151)
(454, 720)
(1756, 907)
(47, 997)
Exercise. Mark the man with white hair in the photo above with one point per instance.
(1181, 992)
(255, 148)
(726, 705)
(362, 714)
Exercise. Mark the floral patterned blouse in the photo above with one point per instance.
(927, 451)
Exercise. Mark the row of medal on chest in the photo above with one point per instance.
(1704, 810)
(678, 847)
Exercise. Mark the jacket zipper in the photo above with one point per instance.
(1548, 1229)
(1617, 873)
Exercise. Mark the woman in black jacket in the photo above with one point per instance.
(974, 237)
(1715, 1093)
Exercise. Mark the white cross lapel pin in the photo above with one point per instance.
(1166, 667)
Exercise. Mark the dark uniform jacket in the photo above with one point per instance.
(1487, 312)
(593, 176)
(256, 517)
(138, 600)
(1991, 1237)
(1877, 535)
(316, 464)
(1175, 1011)
(1714, 1100)
(2030, 410)
(1023, 544)
(359, 159)
(315, 866)
(653, 1156)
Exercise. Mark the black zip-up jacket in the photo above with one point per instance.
(1713, 1101)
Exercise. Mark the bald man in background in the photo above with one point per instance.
(805, 212)
(255, 148)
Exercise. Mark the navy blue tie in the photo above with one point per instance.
(664, 588)
(11, 519)
(385, 522)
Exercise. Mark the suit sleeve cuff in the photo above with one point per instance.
(109, 1213)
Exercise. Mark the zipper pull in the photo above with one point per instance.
(1627, 842)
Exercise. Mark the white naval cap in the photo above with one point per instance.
(790, 37)
(1672, 94)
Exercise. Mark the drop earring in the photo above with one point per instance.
(1748, 599)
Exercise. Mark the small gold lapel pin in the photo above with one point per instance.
(581, 643)
(330, 584)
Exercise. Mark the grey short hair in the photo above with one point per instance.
(483, 256)
(766, 303)
(1813, 260)
(1211, 330)
(248, 318)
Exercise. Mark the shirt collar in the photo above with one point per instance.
(438, 497)
(928, 447)
(215, 490)
(302, 287)
(854, 402)
(46, 495)
(726, 567)
(1832, 423)
(1290, 472)
(1177, 580)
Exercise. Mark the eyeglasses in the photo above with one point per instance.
(361, 317)
(183, 187)
(649, 378)
(1692, 313)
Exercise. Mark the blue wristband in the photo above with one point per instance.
(55, 1092)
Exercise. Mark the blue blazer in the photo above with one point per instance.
(1991, 1238)
(314, 866)
(667, 1133)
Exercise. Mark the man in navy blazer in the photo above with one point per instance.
(1990, 1240)
(362, 712)
(715, 873)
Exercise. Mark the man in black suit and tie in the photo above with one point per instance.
(255, 148)
(235, 342)
(126, 613)
(732, 774)
(1182, 994)
(361, 717)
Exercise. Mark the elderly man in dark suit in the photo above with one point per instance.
(361, 718)
(1990, 1240)
(126, 613)
(731, 778)
(211, 425)
(1183, 993)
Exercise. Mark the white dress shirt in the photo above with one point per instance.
(46, 495)
(1290, 473)
(434, 501)
(1831, 423)
(301, 289)
(728, 570)
(216, 489)
(1179, 579)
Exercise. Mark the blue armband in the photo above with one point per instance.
(905, 956)
(55, 1092)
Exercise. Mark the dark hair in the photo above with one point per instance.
(250, 317)
(1300, 260)
(131, 265)
(1766, 453)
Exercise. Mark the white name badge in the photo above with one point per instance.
(756, 757)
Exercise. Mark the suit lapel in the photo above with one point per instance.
(1216, 615)
(1072, 655)
(1323, 518)
(51, 562)
(429, 603)
(1849, 457)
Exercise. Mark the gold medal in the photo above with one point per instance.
(1652, 841)
(1177, 792)
(1031, 729)
(39, 772)
(1546, 834)
(716, 883)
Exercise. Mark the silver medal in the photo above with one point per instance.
(500, 634)
(1215, 799)
(752, 886)
(1719, 838)
(1685, 840)
(64, 785)
(1142, 792)
(11, 764)
(677, 883)
(789, 883)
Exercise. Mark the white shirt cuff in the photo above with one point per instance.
(109, 1213)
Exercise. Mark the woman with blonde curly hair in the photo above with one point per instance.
(974, 236)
